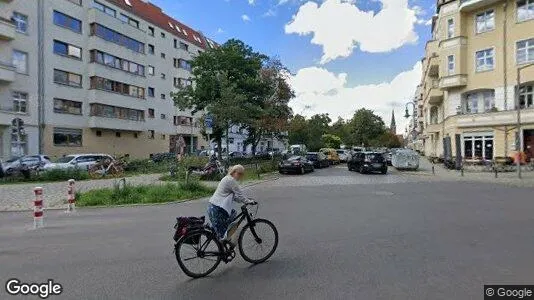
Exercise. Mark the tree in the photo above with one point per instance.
(318, 125)
(226, 83)
(298, 130)
(389, 140)
(273, 111)
(366, 127)
(331, 141)
(342, 130)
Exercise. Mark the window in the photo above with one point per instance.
(526, 96)
(67, 50)
(162, 96)
(163, 34)
(21, 22)
(479, 102)
(182, 63)
(151, 92)
(162, 76)
(18, 138)
(150, 49)
(478, 145)
(450, 64)
(115, 112)
(117, 134)
(77, 2)
(181, 82)
(162, 55)
(485, 60)
(525, 51)
(117, 62)
(67, 137)
(117, 38)
(162, 136)
(184, 46)
(175, 43)
(69, 22)
(485, 21)
(450, 28)
(525, 10)
(434, 115)
(104, 8)
(163, 116)
(62, 106)
(20, 61)
(151, 134)
(117, 87)
(151, 70)
(132, 22)
(135, 135)
(98, 133)
(151, 113)
(20, 101)
(67, 78)
(150, 31)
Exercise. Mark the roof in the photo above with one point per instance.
(153, 14)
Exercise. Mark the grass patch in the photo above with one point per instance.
(143, 194)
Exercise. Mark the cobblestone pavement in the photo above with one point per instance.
(19, 196)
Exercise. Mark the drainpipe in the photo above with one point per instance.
(40, 73)
(505, 55)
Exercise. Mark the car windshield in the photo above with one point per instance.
(65, 159)
(311, 156)
(293, 158)
(13, 159)
(374, 156)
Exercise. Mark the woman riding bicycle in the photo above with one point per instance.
(220, 209)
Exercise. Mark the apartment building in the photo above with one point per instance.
(238, 136)
(469, 83)
(94, 76)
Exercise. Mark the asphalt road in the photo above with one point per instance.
(342, 236)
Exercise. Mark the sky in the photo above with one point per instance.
(343, 54)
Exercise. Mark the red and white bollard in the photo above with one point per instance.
(38, 208)
(71, 196)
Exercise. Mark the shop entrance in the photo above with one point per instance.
(528, 138)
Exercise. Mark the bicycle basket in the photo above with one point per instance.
(184, 225)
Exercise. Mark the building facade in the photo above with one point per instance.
(94, 76)
(469, 89)
(238, 136)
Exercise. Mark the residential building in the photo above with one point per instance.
(469, 83)
(94, 76)
(237, 137)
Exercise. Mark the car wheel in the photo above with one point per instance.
(384, 171)
(362, 170)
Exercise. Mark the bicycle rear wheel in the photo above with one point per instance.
(198, 253)
(258, 241)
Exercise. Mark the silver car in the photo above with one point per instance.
(83, 161)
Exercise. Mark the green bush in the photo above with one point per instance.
(128, 194)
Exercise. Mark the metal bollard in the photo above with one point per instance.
(462, 171)
(495, 171)
(71, 196)
(38, 211)
(433, 170)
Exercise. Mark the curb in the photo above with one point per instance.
(260, 181)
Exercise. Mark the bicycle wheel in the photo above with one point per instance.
(198, 253)
(95, 171)
(258, 241)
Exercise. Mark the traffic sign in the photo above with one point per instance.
(208, 121)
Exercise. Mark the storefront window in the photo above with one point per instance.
(479, 146)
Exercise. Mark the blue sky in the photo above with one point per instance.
(363, 54)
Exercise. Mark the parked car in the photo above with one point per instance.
(295, 164)
(318, 159)
(331, 155)
(366, 162)
(343, 155)
(15, 164)
(83, 161)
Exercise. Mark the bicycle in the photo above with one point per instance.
(203, 244)
(105, 167)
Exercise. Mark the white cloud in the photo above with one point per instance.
(245, 18)
(220, 30)
(271, 12)
(326, 92)
(339, 26)
(251, 2)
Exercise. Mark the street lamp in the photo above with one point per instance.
(407, 115)
(518, 108)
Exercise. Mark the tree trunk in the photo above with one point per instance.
(219, 147)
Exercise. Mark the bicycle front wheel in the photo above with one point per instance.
(198, 253)
(258, 241)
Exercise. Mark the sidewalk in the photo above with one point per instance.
(441, 173)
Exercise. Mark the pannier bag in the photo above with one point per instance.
(184, 225)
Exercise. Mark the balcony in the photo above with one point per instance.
(454, 42)
(7, 73)
(453, 81)
(471, 5)
(187, 129)
(435, 95)
(433, 66)
(96, 16)
(508, 117)
(7, 29)
(433, 128)
(97, 122)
